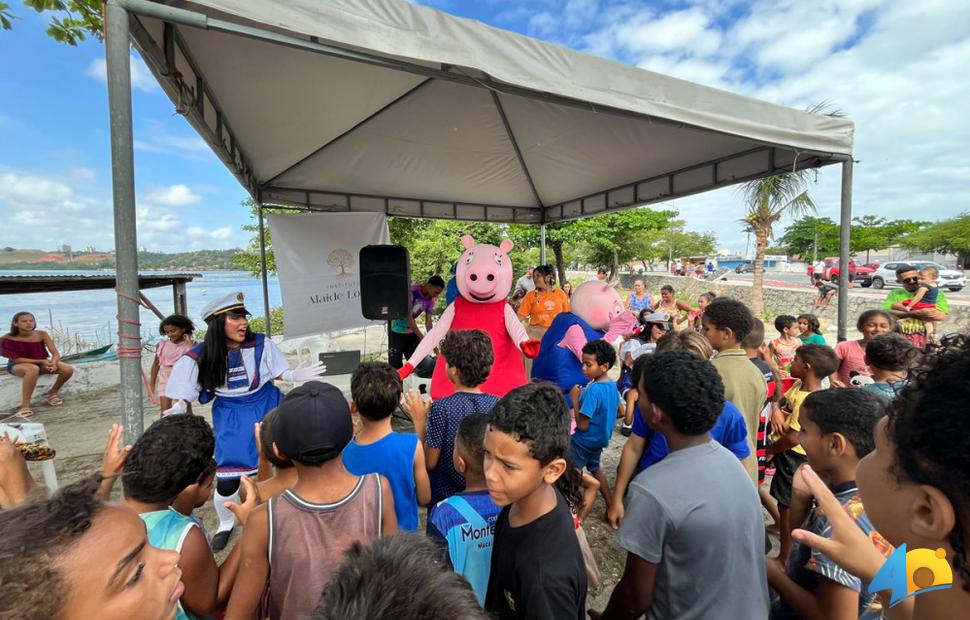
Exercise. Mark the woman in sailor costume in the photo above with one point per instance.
(234, 368)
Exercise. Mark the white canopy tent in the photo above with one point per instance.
(386, 106)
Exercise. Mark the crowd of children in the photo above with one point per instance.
(864, 445)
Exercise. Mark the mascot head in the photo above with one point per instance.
(484, 272)
(597, 303)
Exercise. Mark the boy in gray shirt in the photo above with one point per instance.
(693, 526)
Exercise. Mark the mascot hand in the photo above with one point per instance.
(304, 374)
(405, 371)
(621, 325)
(530, 348)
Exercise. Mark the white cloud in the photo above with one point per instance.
(24, 191)
(223, 233)
(83, 174)
(141, 78)
(172, 196)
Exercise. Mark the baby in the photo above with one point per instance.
(926, 296)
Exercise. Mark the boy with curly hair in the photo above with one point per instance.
(596, 407)
(694, 517)
(468, 362)
(537, 569)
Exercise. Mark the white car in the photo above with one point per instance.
(950, 279)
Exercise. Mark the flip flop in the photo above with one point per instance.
(24, 412)
(54, 400)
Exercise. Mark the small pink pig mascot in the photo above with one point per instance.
(597, 312)
(484, 277)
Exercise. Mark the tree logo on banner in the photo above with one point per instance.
(341, 259)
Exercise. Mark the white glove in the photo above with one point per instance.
(178, 407)
(304, 374)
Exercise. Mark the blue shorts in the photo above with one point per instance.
(582, 457)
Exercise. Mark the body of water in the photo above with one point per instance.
(90, 315)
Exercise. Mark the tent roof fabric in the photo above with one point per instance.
(383, 105)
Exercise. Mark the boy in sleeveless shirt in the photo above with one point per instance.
(295, 542)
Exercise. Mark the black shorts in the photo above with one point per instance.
(785, 464)
(400, 347)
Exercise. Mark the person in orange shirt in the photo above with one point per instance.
(540, 306)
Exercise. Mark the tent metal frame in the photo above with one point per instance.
(122, 24)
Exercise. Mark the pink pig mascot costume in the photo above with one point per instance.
(484, 277)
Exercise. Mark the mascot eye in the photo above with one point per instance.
(468, 261)
(498, 260)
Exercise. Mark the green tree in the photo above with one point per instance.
(950, 236)
(71, 21)
(869, 233)
(768, 201)
(248, 258)
(613, 238)
(673, 241)
(802, 235)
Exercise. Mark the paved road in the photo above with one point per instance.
(798, 280)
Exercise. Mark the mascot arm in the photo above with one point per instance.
(432, 338)
(621, 325)
(529, 348)
(574, 340)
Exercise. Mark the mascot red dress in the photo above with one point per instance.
(484, 277)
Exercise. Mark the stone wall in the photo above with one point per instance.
(783, 301)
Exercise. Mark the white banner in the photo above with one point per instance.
(316, 259)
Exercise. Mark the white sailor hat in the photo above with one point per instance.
(231, 302)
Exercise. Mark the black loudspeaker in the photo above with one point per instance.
(385, 282)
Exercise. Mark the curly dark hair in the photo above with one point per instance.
(694, 400)
(709, 296)
(266, 442)
(891, 352)
(604, 352)
(401, 576)
(727, 313)
(784, 321)
(172, 454)
(35, 536)
(813, 325)
(850, 412)
(470, 351)
(668, 288)
(928, 424)
(820, 358)
(177, 320)
(868, 314)
(755, 337)
(376, 389)
(471, 441)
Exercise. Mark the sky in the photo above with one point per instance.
(898, 69)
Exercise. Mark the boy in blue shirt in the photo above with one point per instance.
(597, 406)
(465, 522)
(376, 448)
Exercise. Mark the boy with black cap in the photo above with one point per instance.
(303, 534)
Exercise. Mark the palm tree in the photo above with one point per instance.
(768, 200)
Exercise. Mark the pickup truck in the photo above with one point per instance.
(861, 274)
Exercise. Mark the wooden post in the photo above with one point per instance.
(181, 303)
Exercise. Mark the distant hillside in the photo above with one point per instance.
(200, 260)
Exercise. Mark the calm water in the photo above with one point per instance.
(90, 315)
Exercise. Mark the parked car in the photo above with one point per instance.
(860, 274)
(950, 279)
(745, 267)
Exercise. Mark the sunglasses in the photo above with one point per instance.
(910, 280)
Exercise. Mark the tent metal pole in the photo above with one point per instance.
(542, 244)
(262, 270)
(118, 59)
(845, 224)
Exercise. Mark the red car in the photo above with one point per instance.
(859, 273)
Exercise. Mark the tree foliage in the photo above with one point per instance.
(950, 236)
(868, 233)
(70, 21)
